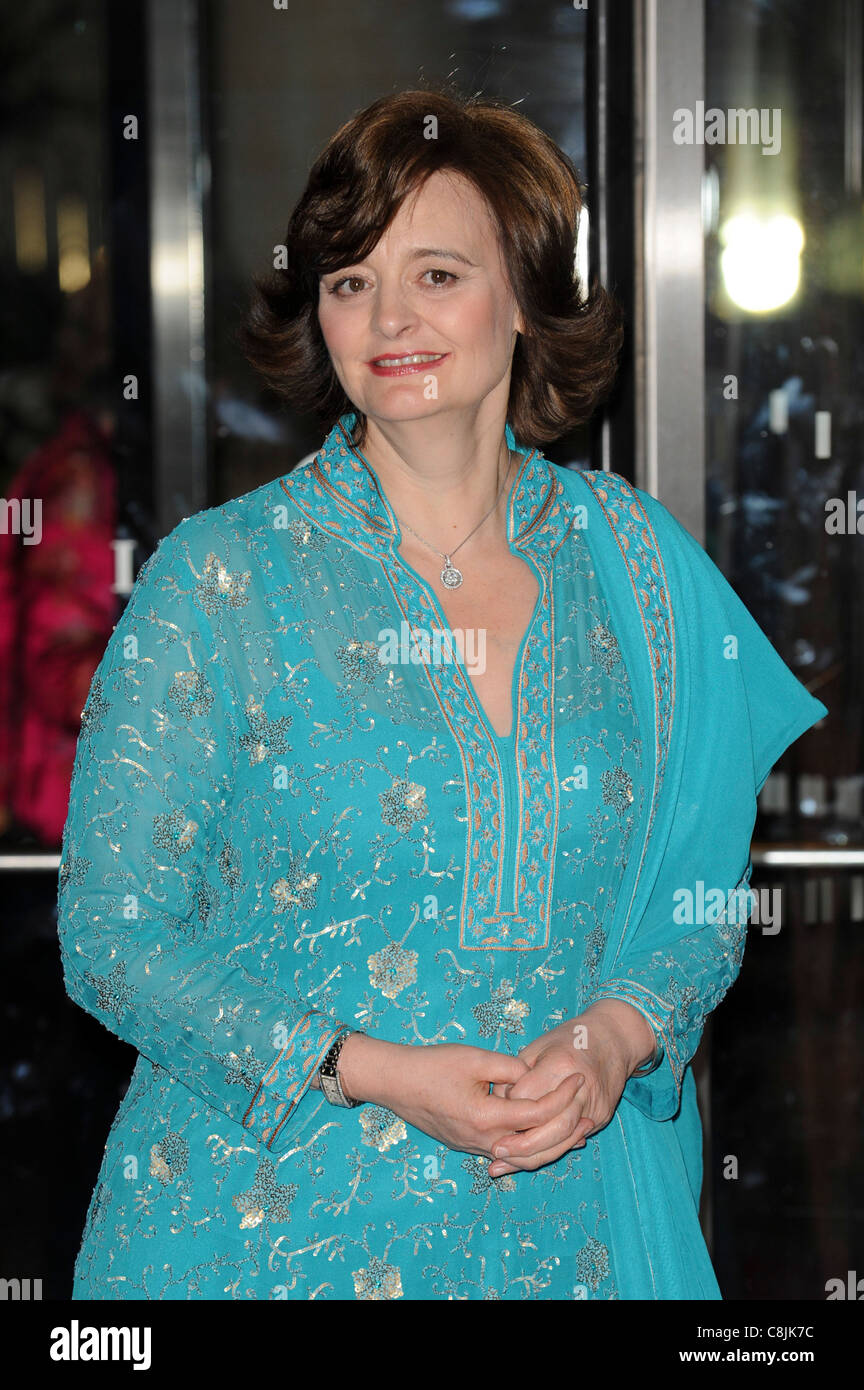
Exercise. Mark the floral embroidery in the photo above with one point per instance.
(604, 647)
(297, 888)
(478, 1171)
(230, 865)
(618, 789)
(403, 804)
(378, 1280)
(74, 871)
(113, 993)
(95, 709)
(306, 536)
(220, 589)
(243, 1071)
(169, 1158)
(175, 833)
(360, 661)
(392, 970)
(266, 1199)
(592, 1263)
(381, 1128)
(206, 898)
(192, 693)
(501, 1011)
(267, 736)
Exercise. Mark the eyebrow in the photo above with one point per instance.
(417, 253)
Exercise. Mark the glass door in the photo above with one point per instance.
(781, 135)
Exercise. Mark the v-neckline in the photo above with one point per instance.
(505, 743)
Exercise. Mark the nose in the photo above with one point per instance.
(392, 311)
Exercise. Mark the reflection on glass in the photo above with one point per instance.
(57, 402)
(784, 248)
(785, 274)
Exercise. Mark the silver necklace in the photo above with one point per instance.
(451, 577)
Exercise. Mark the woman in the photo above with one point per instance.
(321, 858)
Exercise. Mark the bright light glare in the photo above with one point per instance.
(761, 260)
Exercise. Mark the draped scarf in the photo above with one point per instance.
(719, 706)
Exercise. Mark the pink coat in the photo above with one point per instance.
(57, 611)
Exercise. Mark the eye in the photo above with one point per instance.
(446, 273)
(357, 282)
(346, 280)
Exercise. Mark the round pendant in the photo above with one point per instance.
(451, 578)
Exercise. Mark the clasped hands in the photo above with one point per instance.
(587, 1061)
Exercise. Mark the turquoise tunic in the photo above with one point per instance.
(274, 833)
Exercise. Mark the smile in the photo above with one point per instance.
(410, 362)
(402, 361)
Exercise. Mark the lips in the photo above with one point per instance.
(402, 364)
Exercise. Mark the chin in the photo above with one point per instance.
(399, 411)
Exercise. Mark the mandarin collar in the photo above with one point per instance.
(339, 490)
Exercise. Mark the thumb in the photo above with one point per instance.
(502, 1067)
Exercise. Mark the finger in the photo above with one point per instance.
(521, 1150)
(530, 1087)
(499, 1167)
(528, 1141)
(546, 1145)
(529, 1054)
(524, 1140)
(538, 1081)
(500, 1066)
(521, 1155)
(528, 1113)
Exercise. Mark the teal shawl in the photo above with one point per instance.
(723, 707)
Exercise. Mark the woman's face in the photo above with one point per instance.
(435, 285)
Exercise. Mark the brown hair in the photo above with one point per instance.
(567, 361)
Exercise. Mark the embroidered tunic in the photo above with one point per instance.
(290, 813)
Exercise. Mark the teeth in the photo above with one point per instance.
(404, 361)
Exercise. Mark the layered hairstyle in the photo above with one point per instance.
(566, 362)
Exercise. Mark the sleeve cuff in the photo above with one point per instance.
(656, 1090)
(287, 1079)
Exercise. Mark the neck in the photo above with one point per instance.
(441, 479)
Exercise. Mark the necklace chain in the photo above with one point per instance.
(451, 577)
